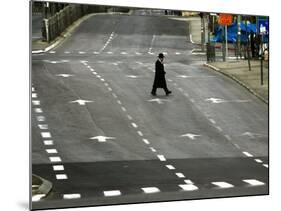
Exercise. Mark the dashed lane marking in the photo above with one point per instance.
(253, 182)
(129, 117)
(248, 154)
(188, 187)
(46, 135)
(38, 110)
(140, 133)
(34, 95)
(51, 151)
(265, 165)
(145, 141)
(123, 109)
(112, 193)
(161, 157)
(48, 142)
(227, 137)
(119, 102)
(55, 159)
(258, 160)
(38, 197)
(40, 118)
(58, 168)
(180, 175)
(61, 176)
(134, 125)
(43, 127)
(223, 184)
(213, 121)
(219, 128)
(114, 95)
(150, 190)
(152, 149)
(109, 89)
(72, 196)
(188, 181)
(35, 102)
(170, 167)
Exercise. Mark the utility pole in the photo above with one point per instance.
(202, 31)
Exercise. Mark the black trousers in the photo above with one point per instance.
(154, 88)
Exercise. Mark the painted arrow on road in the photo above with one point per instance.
(81, 102)
(64, 75)
(158, 100)
(102, 138)
(190, 135)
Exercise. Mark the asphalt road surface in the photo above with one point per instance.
(101, 138)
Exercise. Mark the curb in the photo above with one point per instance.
(44, 187)
(236, 80)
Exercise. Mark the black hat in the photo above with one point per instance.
(161, 55)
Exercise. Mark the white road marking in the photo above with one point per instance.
(150, 190)
(40, 118)
(95, 73)
(188, 181)
(138, 53)
(145, 141)
(132, 76)
(185, 94)
(102, 138)
(43, 127)
(237, 146)
(123, 109)
(109, 89)
(61, 176)
(177, 53)
(106, 84)
(58, 168)
(265, 165)
(258, 160)
(129, 117)
(170, 80)
(52, 52)
(95, 52)
(219, 128)
(170, 167)
(55, 159)
(112, 193)
(252, 135)
(66, 52)
(248, 154)
(223, 184)
(188, 187)
(38, 110)
(114, 95)
(81, 102)
(36, 102)
(158, 100)
(140, 133)
(253, 182)
(38, 197)
(46, 135)
(34, 95)
(124, 53)
(81, 52)
(119, 102)
(152, 149)
(192, 100)
(180, 175)
(48, 142)
(32, 89)
(98, 76)
(109, 52)
(161, 157)
(228, 137)
(213, 121)
(190, 135)
(72, 196)
(102, 79)
(134, 125)
(180, 89)
(51, 151)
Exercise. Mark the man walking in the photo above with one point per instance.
(159, 79)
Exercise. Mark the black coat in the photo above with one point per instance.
(159, 79)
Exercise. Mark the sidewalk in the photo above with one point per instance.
(238, 70)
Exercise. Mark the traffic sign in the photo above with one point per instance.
(225, 19)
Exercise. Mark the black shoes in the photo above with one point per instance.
(168, 92)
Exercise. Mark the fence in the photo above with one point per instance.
(55, 25)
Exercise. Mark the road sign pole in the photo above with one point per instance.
(226, 43)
